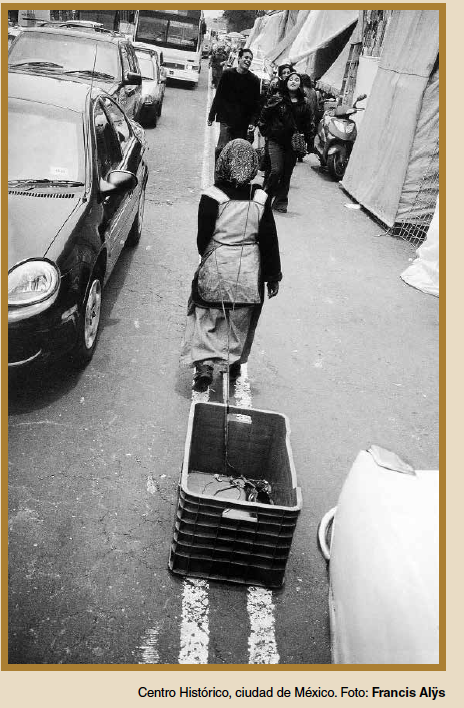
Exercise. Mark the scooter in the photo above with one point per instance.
(335, 138)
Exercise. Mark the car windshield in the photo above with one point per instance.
(146, 65)
(44, 143)
(77, 54)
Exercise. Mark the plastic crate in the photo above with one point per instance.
(222, 538)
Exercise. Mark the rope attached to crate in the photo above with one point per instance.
(226, 377)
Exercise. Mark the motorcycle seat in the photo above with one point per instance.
(342, 111)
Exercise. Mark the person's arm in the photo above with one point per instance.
(207, 215)
(217, 98)
(269, 250)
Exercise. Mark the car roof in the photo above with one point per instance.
(143, 47)
(93, 36)
(60, 91)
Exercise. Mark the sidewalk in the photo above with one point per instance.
(351, 350)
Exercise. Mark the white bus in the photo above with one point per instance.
(178, 36)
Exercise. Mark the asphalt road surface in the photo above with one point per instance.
(347, 351)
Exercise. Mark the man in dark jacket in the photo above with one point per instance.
(236, 104)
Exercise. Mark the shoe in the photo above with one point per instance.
(203, 377)
(234, 370)
(282, 209)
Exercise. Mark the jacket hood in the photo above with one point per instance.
(34, 220)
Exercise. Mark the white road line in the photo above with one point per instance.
(205, 176)
(194, 639)
(262, 647)
(149, 647)
(243, 389)
(194, 629)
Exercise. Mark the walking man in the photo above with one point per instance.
(236, 104)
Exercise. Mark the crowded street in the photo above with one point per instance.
(347, 351)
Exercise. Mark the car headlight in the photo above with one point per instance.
(32, 282)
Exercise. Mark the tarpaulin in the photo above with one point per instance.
(256, 29)
(331, 81)
(378, 165)
(423, 273)
(279, 54)
(320, 28)
(420, 186)
(270, 33)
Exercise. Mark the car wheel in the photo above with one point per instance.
(136, 230)
(90, 322)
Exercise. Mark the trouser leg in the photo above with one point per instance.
(275, 169)
(226, 134)
(224, 138)
(281, 196)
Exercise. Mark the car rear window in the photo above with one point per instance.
(44, 142)
(146, 65)
(67, 53)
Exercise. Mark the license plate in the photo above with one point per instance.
(171, 72)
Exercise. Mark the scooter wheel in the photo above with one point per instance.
(336, 164)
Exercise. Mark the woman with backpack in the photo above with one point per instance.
(288, 124)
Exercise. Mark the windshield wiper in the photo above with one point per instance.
(50, 64)
(90, 72)
(52, 182)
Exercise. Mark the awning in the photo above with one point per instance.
(270, 33)
(331, 81)
(320, 28)
(279, 54)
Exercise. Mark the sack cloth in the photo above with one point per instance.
(230, 274)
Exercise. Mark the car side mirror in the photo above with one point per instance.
(118, 182)
(132, 79)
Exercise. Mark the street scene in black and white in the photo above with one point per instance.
(223, 337)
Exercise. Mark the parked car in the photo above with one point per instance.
(76, 194)
(105, 59)
(83, 25)
(153, 85)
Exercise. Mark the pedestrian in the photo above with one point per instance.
(313, 100)
(283, 72)
(217, 61)
(285, 113)
(236, 103)
(239, 249)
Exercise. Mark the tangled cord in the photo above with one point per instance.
(256, 490)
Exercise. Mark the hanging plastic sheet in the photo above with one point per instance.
(321, 27)
(270, 33)
(378, 165)
(279, 54)
(332, 80)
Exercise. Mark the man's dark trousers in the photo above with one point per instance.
(226, 134)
